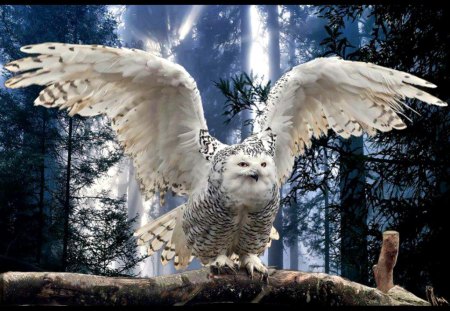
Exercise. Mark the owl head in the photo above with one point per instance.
(250, 167)
(245, 169)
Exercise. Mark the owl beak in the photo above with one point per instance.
(254, 176)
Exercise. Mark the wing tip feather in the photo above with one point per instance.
(430, 85)
(440, 103)
(26, 48)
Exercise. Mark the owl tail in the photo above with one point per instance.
(167, 231)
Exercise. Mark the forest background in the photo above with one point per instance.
(68, 197)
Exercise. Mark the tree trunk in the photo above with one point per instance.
(193, 288)
(246, 42)
(293, 248)
(41, 188)
(326, 218)
(67, 198)
(135, 204)
(354, 257)
(384, 270)
(293, 242)
(276, 250)
(327, 233)
(293, 252)
(291, 38)
(274, 42)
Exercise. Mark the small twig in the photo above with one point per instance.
(435, 301)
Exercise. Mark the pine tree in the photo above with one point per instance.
(68, 154)
(400, 195)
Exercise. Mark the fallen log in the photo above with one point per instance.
(194, 287)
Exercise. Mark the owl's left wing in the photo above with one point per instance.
(154, 105)
(347, 96)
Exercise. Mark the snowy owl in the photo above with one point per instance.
(233, 191)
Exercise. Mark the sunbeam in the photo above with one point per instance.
(259, 62)
(190, 20)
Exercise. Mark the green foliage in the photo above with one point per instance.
(102, 242)
(244, 92)
(335, 43)
(35, 188)
(408, 171)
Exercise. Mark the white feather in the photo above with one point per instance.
(152, 102)
(353, 96)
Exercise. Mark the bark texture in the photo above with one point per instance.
(384, 270)
(193, 287)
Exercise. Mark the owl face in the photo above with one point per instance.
(249, 177)
(250, 169)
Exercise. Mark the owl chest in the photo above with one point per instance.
(255, 217)
(241, 207)
(240, 204)
(242, 200)
(219, 222)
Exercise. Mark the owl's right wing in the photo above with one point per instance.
(154, 106)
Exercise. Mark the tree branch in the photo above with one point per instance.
(193, 287)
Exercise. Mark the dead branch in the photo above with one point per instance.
(193, 287)
(435, 301)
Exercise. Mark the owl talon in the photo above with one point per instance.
(222, 264)
(265, 277)
(252, 263)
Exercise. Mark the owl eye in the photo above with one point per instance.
(264, 164)
(243, 164)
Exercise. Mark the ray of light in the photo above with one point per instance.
(259, 62)
(190, 20)
(259, 58)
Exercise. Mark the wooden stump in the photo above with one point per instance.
(384, 270)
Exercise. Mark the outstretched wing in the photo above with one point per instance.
(349, 97)
(154, 106)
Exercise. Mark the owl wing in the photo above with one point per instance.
(347, 96)
(154, 106)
